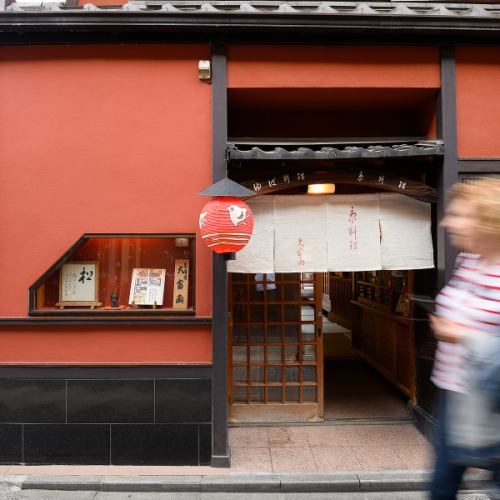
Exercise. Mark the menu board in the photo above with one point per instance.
(147, 286)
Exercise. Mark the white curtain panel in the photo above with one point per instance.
(258, 255)
(353, 234)
(406, 232)
(364, 232)
(300, 234)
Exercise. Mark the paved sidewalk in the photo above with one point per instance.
(328, 448)
(335, 459)
(300, 448)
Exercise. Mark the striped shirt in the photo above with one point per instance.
(471, 299)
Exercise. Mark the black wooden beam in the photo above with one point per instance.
(112, 26)
(110, 321)
(220, 450)
(447, 131)
(100, 372)
(479, 166)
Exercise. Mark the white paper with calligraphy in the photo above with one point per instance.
(181, 284)
(300, 234)
(406, 232)
(258, 255)
(78, 282)
(147, 286)
(353, 233)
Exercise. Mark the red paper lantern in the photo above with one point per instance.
(226, 224)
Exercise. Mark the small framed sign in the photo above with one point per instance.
(79, 285)
(147, 287)
(181, 284)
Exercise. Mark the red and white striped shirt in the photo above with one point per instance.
(471, 299)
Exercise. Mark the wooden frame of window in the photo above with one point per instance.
(36, 291)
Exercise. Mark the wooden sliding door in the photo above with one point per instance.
(275, 347)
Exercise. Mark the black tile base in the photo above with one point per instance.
(183, 401)
(160, 444)
(135, 416)
(11, 444)
(107, 401)
(33, 401)
(205, 444)
(66, 444)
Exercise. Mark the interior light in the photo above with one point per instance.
(321, 189)
(181, 242)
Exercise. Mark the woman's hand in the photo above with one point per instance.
(447, 330)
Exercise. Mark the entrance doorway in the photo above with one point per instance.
(353, 387)
(308, 347)
(276, 348)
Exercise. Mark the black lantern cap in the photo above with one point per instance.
(227, 187)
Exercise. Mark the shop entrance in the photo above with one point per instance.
(363, 381)
(308, 347)
(276, 348)
(314, 346)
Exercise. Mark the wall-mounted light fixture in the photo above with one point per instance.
(321, 189)
(204, 70)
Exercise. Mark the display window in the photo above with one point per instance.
(120, 275)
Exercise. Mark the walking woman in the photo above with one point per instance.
(467, 326)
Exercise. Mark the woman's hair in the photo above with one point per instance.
(484, 194)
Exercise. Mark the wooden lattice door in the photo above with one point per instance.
(275, 347)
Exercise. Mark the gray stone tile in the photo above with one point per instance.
(241, 483)
(151, 483)
(146, 496)
(49, 495)
(392, 495)
(309, 483)
(241, 496)
(67, 483)
(393, 481)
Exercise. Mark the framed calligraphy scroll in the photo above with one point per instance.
(181, 284)
(79, 285)
(147, 287)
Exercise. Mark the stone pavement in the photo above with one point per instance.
(327, 448)
(342, 460)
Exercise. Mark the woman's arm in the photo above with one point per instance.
(447, 330)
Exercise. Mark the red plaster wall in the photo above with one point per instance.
(100, 140)
(114, 345)
(478, 103)
(333, 66)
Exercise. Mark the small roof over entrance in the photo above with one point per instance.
(303, 149)
(402, 165)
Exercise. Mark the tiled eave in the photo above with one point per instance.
(310, 152)
(287, 21)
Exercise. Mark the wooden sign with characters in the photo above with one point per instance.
(181, 284)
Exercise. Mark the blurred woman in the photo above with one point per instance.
(467, 326)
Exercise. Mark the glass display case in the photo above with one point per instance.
(120, 275)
